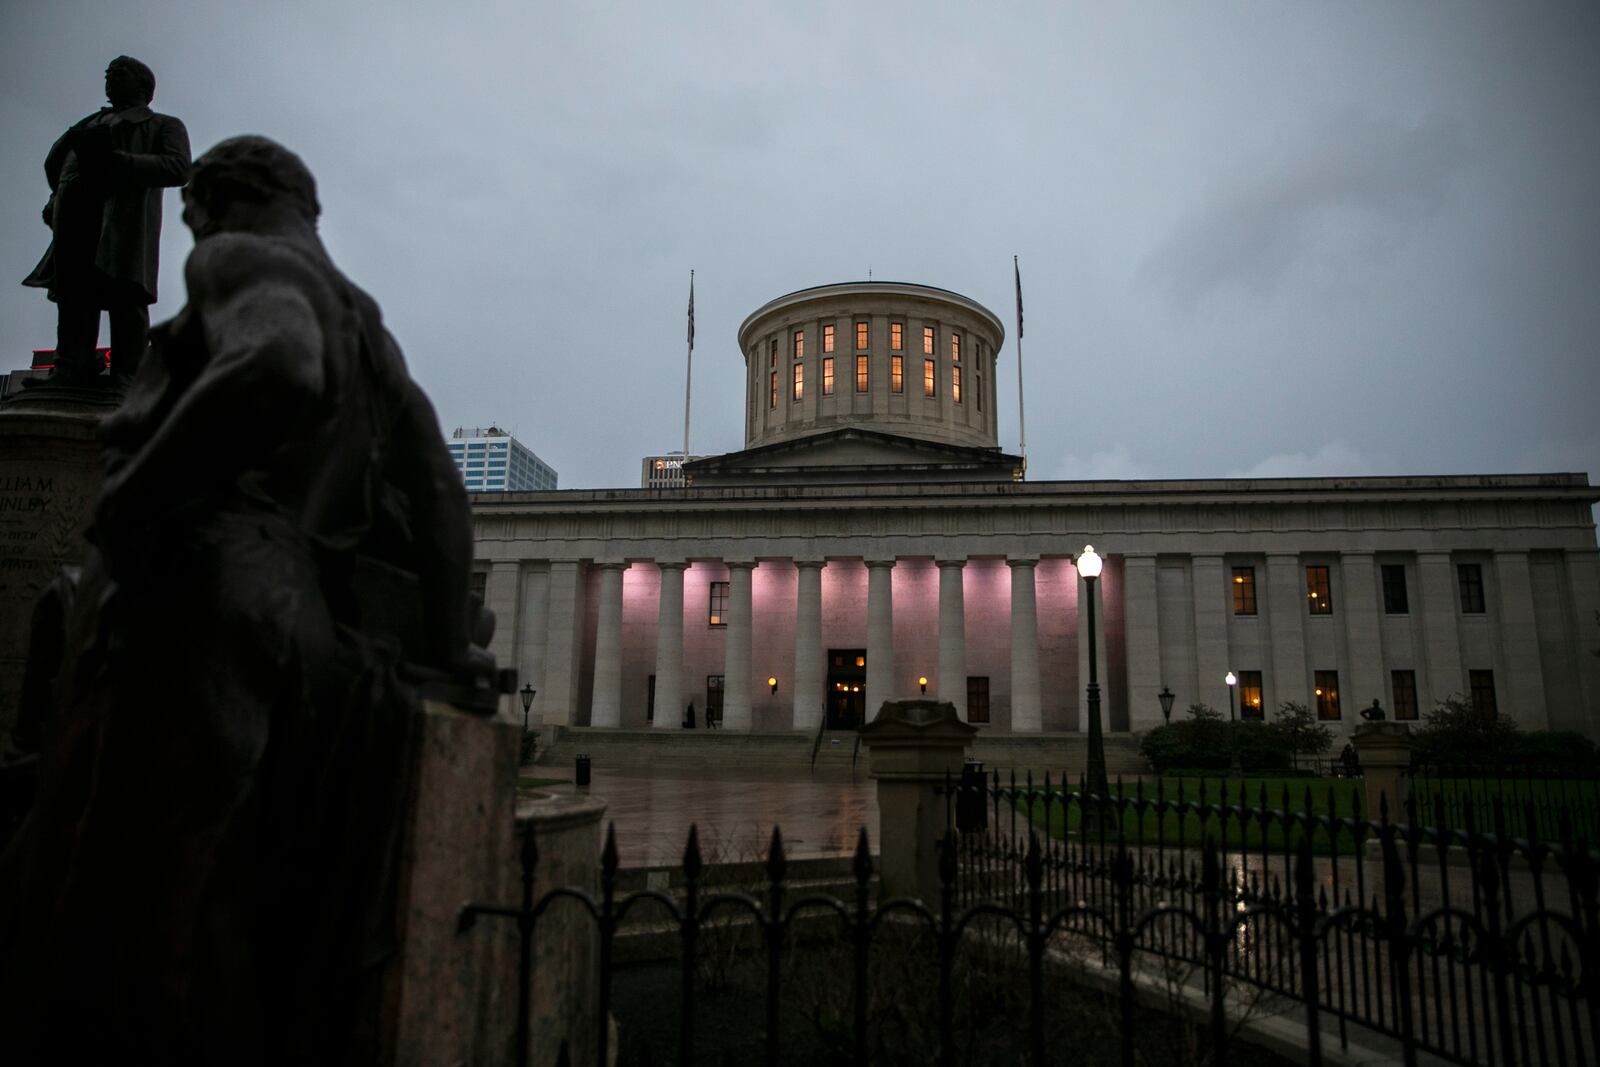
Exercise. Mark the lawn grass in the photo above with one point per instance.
(534, 783)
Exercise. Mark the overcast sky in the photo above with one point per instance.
(1256, 239)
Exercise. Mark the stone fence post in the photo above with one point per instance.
(1385, 752)
(912, 746)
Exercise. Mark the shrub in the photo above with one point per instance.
(1296, 731)
(1206, 741)
(1454, 733)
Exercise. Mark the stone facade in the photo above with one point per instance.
(873, 543)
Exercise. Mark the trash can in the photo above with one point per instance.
(583, 768)
(972, 799)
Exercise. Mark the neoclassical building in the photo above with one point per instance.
(872, 541)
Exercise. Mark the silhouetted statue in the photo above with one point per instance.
(282, 555)
(1374, 713)
(106, 175)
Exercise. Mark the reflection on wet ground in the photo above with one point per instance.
(652, 812)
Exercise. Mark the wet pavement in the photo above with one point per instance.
(653, 810)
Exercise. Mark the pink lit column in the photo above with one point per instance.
(1026, 716)
(810, 668)
(880, 635)
(606, 706)
(952, 636)
(668, 710)
(736, 671)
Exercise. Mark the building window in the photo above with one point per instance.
(927, 340)
(1327, 694)
(479, 583)
(799, 344)
(714, 688)
(1244, 590)
(1470, 578)
(827, 376)
(897, 374)
(1482, 685)
(799, 380)
(774, 362)
(955, 347)
(1394, 589)
(719, 604)
(650, 700)
(897, 337)
(978, 699)
(1404, 684)
(861, 337)
(827, 338)
(861, 374)
(1250, 695)
(978, 382)
(1317, 595)
(929, 384)
(772, 401)
(955, 384)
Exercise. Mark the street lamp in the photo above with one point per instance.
(527, 703)
(1233, 734)
(922, 684)
(772, 684)
(1089, 564)
(1166, 697)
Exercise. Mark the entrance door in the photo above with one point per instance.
(847, 683)
(713, 701)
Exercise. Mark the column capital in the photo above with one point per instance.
(739, 564)
(1022, 561)
(817, 563)
(611, 564)
(875, 563)
(671, 564)
(962, 562)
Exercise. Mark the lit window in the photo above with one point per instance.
(1327, 694)
(719, 604)
(1394, 589)
(1405, 693)
(1317, 595)
(861, 374)
(772, 401)
(1244, 590)
(928, 380)
(827, 339)
(927, 340)
(978, 699)
(1250, 695)
(1482, 685)
(799, 380)
(799, 344)
(827, 377)
(1470, 577)
(955, 384)
(897, 374)
(861, 337)
(955, 348)
(897, 336)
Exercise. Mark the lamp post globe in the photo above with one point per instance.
(1089, 564)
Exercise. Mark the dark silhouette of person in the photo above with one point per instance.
(207, 874)
(106, 176)
(688, 716)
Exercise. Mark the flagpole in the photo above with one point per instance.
(1022, 421)
(688, 374)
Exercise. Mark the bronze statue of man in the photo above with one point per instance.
(207, 873)
(106, 175)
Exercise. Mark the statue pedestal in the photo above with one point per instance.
(49, 478)
(1385, 751)
(913, 748)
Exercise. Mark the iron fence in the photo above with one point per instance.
(1475, 944)
(1532, 797)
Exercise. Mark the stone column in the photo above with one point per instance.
(1583, 579)
(1286, 622)
(1436, 580)
(500, 596)
(952, 636)
(667, 711)
(559, 697)
(880, 634)
(810, 662)
(1364, 641)
(533, 637)
(736, 672)
(1385, 751)
(1213, 600)
(1026, 714)
(1142, 625)
(606, 705)
(1519, 641)
(913, 748)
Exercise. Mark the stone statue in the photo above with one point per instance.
(106, 174)
(1374, 713)
(281, 558)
